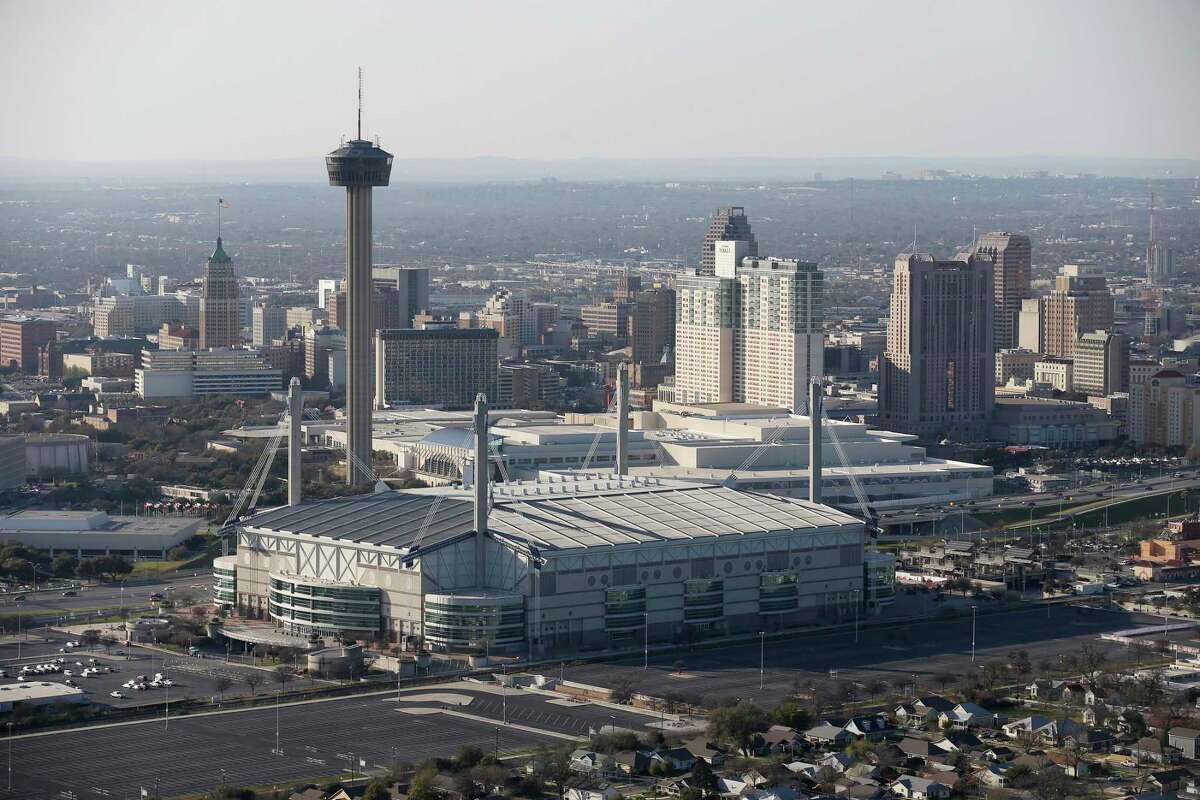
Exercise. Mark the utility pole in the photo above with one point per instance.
(762, 653)
(973, 609)
(646, 640)
(278, 750)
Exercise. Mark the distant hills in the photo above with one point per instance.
(489, 168)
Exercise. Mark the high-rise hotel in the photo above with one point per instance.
(751, 332)
(938, 373)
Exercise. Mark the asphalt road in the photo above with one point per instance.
(926, 649)
(1094, 493)
(44, 603)
(187, 754)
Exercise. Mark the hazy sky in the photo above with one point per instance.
(567, 78)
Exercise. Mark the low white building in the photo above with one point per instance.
(706, 443)
(85, 534)
(38, 693)
(187, 373)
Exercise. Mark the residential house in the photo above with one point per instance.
(675, 759)
(968, 715)
(1098, 695)
(993, 776)
(999, 753)
(1184, 740)
(704, 750)
(308, 793)
(782, 739)
(631, 762)
(769, 793)
(921, 710)
(1073, 692)
(589, 761)
(863, 772)
(838, 762)
(1037, 728)
(803, 768)
(867, 727)
(1045, 690)
(1150, 749)
(860, 791)
(914, 788)
(1096, 715)
(829, 733)
(1168, 781)
(1071, 764)
(590, 790)
(924, 748)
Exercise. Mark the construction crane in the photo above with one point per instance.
(869, 515)
(248, 496)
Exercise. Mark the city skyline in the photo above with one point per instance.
(551, 88)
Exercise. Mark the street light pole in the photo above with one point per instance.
(762, 656)
(278, 750)
(645, 640)
(973, 608)
(857, 600)
(10, 757)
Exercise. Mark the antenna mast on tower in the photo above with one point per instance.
(360, 103)
(1152, 215)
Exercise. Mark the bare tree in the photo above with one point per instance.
(1091, 661)
(283, 674)
(623, 691)
(222, 684)
(253, 679)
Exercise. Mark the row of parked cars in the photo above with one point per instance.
(141, 682)
(59, 665)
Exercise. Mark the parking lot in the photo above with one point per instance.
(194, 753)
(192, 677)
(917, 653)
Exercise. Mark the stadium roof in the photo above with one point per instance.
(555, 516)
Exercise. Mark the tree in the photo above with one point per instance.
(738, 724)
(86, 569)
(222, 684)
(791, 715)
(623, 691)
(703, 777)
(1091, 661)
(464, 784)
(64, 565)
(468, 756)
(944, 679)
(421, 787)
(551, 765)
(253, 679)
(376, 790)
(90, 638)
(283, 674)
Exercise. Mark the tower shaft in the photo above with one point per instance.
(359, 330)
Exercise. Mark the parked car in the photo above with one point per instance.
(117, 695)
(70, 593)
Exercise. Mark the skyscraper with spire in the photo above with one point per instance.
(359, 166)
(220, 311)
